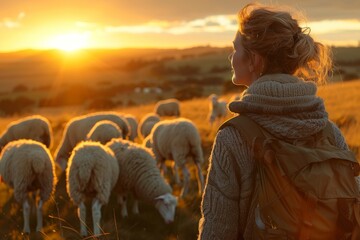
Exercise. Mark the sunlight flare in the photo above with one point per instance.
(70, 42)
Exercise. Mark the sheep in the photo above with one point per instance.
(77, 129)
(168, 107)
(103, 131)
(217, 108)
(140, 176)
(93, 171)
(147, 142)
(146, 124)
(133, 123)
(34, 127)
(178, 139)
(27, 166)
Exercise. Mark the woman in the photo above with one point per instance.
(281, 64)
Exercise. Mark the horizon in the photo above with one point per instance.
(137, 48)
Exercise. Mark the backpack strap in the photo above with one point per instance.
(328, 132)
(250, 131)
(245, 125)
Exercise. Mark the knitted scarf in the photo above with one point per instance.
(284, 105)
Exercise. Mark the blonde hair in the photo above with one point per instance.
(284, 45)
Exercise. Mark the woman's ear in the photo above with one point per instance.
(256, 63)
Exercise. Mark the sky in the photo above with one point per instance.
(73, 24)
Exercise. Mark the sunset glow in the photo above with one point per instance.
(69, 42)
(74, 25)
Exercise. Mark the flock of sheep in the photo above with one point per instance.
(100, 157)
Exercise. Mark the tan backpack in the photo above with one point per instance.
(305, 189)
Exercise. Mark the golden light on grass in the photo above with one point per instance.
(70, 42)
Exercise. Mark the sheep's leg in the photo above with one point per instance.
(121, 199)
(26, 214)
(82, 218)
(96, 214)
(39, 216)
(32, 199)
(176, 173)
(200, 179)
(162, 167)
(186, 176)
(135, 208)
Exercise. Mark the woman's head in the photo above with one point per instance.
(274, 42)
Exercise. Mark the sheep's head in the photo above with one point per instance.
(166, 205)
(118, 146)
(103, 131)
(213, 98)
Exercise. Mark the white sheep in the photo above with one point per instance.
(93, 171)
(34, 127)
(103, 131)
(133, 123)
(168, 107)
(147, 123)
(27, 166)
(217, 109)
(140, 176)
(77, 129)
(178, 139)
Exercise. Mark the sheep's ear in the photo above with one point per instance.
(167, 198)
(162, 197)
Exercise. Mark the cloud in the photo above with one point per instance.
(218, 23)
(13, 23)
(332, 26)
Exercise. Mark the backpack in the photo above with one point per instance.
(305, 188)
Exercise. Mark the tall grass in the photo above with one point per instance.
(60, 219)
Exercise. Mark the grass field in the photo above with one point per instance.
(342, 101)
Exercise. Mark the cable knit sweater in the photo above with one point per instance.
(285, 106)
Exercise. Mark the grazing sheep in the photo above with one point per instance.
(93, 171)
(178, 139)
(77, 129)
(34, 127)
(147, 142)
(217, 109)
(140, 176)
(103, 131)
(168, 107)
(147, 123)
(133, 123)
(27, 166)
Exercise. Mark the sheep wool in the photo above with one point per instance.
(93, 170)
(217, 108)
(34, 127)
(138, 171)
(176, 139)
(77, 129)
(147, 123)
(103, 131)
(27, 165)
(168, 107)
(133, 123)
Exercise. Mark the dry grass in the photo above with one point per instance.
(60, 221)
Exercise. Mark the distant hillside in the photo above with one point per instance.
(124, 77)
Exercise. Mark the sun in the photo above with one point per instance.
(70, 42)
